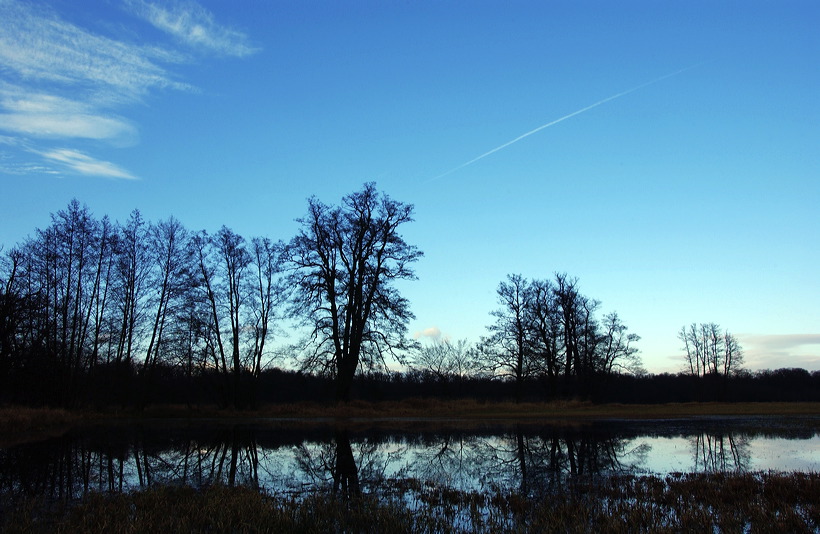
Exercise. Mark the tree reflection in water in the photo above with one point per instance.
(720, 452)
(542, 462)
(525, 459)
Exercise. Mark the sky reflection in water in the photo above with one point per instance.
(281, 459)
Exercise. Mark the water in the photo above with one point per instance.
(399, 457)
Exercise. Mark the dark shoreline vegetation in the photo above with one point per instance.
(21, 424)
(756, 502)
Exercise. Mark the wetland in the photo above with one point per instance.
(419, 474)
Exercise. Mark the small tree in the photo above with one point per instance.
(344, 263)
(617, 352)
(444, 360)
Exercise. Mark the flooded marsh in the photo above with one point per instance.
(730, 473)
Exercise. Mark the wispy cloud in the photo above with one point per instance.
(193, 26)
(68, 83)
(84, 164)
(39, 46)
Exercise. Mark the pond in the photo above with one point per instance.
(293, 458)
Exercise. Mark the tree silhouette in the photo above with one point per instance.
(345, 260)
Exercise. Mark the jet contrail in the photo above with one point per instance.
(565, 117)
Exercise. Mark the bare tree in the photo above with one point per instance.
(544, 322)
(133, 270)
(710, 350)
(617, 352)
(577, 325)
(443, 359)
(507, 347)
(733, 354)
(266, 293)
(168, 243)
(234, 260)
(344, 262)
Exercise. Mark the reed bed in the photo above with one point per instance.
(748, 502)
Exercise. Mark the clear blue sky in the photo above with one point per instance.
(690, 199)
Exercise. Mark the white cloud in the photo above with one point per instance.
(194, 26)
(84, 164)
(56, 125)
(783, 342)
(778, 351)
(433, 333)
(50, 116)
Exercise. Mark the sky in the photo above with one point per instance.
(666, 154)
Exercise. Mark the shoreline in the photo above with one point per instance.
(18, 420)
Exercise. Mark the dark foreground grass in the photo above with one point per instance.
(761, 502)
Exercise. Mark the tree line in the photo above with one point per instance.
(136, 312)
(90, 298)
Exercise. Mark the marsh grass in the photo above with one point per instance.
(759, 502)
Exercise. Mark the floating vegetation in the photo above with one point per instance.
(757, 502)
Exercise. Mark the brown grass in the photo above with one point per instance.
(720, 502)
(20, 423)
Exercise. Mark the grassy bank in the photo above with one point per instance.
(21, 424)
(24, 421)
(677, 503)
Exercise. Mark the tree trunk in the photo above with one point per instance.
(346, 370)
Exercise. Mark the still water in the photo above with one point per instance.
(294, 458)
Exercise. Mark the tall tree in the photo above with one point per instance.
(544, 324)
(235, 260)
(507, 348)
(133, 270)
(266, 257)
(221, 265)
(170, 270)
(568, 300)
(345, 261)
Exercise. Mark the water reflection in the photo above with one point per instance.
(523, 458)
(720, 452)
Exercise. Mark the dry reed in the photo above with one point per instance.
(759, 502)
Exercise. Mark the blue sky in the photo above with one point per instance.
(689, 199)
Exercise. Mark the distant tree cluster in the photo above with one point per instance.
(547, 329)
(710, 350)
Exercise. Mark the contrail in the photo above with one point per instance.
(565, 117)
